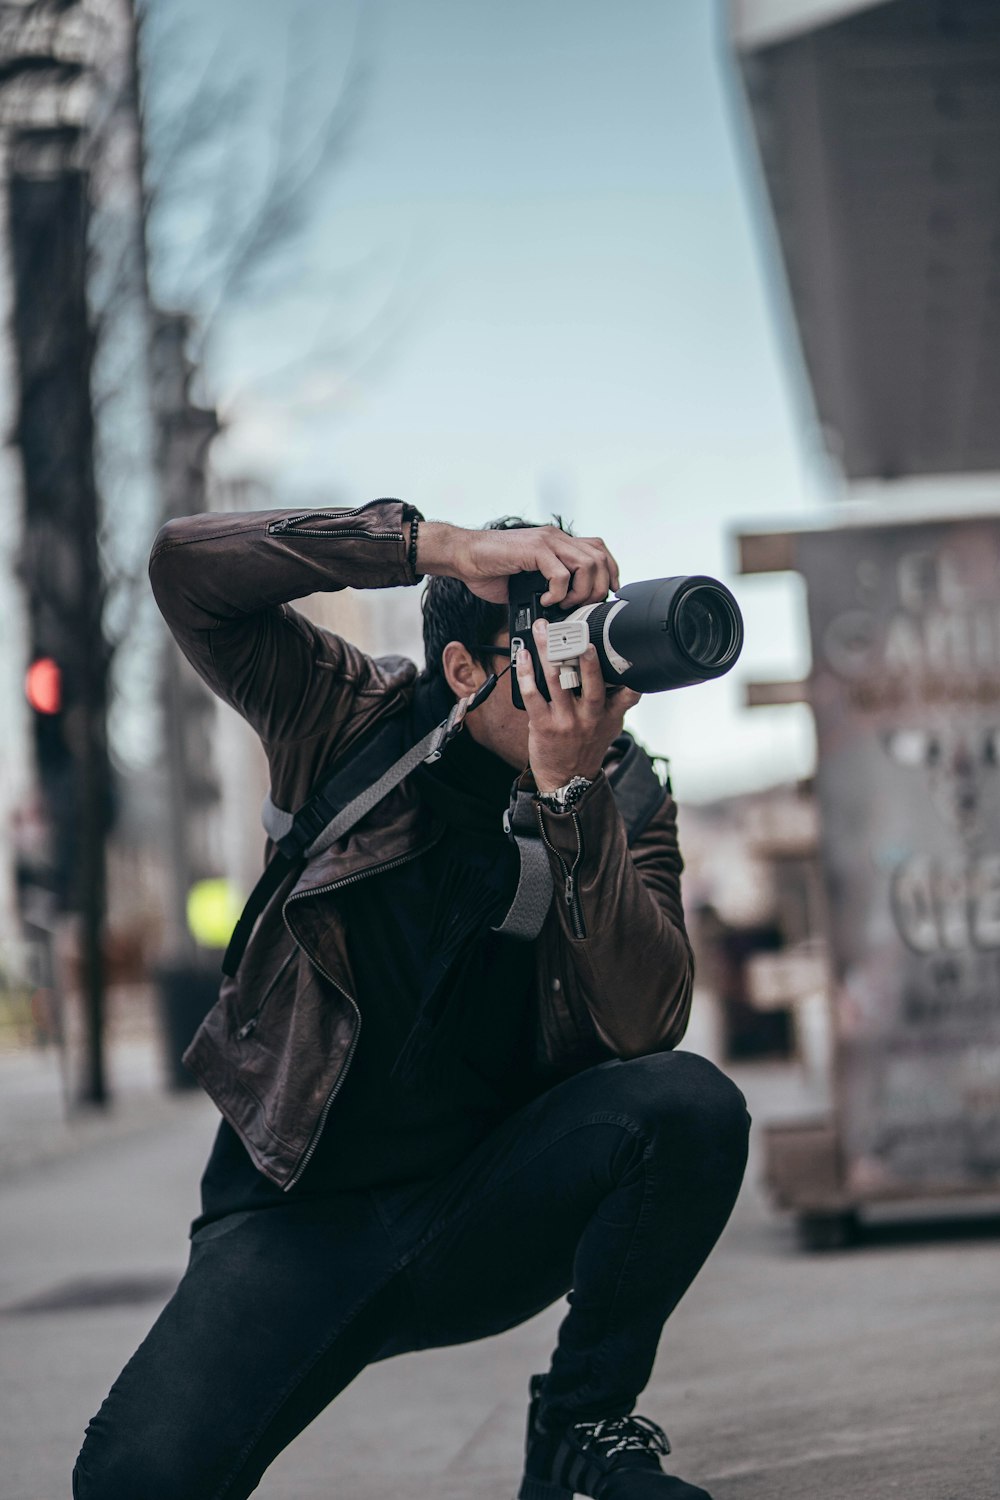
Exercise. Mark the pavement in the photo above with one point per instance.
(865, 1373)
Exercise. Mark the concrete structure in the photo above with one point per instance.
(878, 128)
(905, 689)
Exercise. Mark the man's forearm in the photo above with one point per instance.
(218, 566)
(629, 940)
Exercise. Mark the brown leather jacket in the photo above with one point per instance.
(614, 969)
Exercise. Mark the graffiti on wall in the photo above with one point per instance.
(905, 687)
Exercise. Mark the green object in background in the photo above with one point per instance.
(213, 909)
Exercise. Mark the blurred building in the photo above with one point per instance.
(753, 898)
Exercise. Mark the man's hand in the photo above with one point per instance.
(569, 736)
(580, 570)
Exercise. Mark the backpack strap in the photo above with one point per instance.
(638, 790)
(340, 801)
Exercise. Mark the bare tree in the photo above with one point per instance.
(225, 205)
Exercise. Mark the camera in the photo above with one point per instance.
(650, 636)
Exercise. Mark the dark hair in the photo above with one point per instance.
(452, 612)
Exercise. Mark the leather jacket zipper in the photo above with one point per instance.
(323, 890)
(291, 523)
(250, 1024)
(571, 894)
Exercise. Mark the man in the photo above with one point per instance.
(431, 1129)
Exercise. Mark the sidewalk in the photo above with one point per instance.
(781, 1376)
(35, 1125)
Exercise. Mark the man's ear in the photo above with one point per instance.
(462, 672)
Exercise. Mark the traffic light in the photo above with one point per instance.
(45, 690)
(43, 686)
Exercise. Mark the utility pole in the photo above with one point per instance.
(48, 54)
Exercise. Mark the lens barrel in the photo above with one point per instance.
(666, 633)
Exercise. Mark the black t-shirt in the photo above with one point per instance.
(444, 1051)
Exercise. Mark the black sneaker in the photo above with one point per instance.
(614, 1459)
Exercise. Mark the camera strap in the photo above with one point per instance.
(350, 792)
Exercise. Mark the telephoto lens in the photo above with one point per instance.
(651, 636)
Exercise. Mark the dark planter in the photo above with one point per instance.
(186, 993)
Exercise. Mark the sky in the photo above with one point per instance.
(541, 277)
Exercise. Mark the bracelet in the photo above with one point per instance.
(411, 551)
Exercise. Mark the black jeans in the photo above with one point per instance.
(613, 1186)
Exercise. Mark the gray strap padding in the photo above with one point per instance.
(276, 821)
(533, 896)
(638, 793)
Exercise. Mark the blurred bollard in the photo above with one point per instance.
(186, 993)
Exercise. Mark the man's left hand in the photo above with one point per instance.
(569, 735)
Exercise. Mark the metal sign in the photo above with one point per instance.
(905, 624)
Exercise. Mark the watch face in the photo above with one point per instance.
(566, 796)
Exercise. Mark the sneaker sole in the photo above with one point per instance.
(538, 1489)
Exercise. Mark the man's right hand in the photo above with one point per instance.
(580, 570)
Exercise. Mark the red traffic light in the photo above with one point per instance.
(43, 685)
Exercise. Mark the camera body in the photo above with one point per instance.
(651, 636)
(568, 637)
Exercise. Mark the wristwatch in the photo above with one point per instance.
(565, 797)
